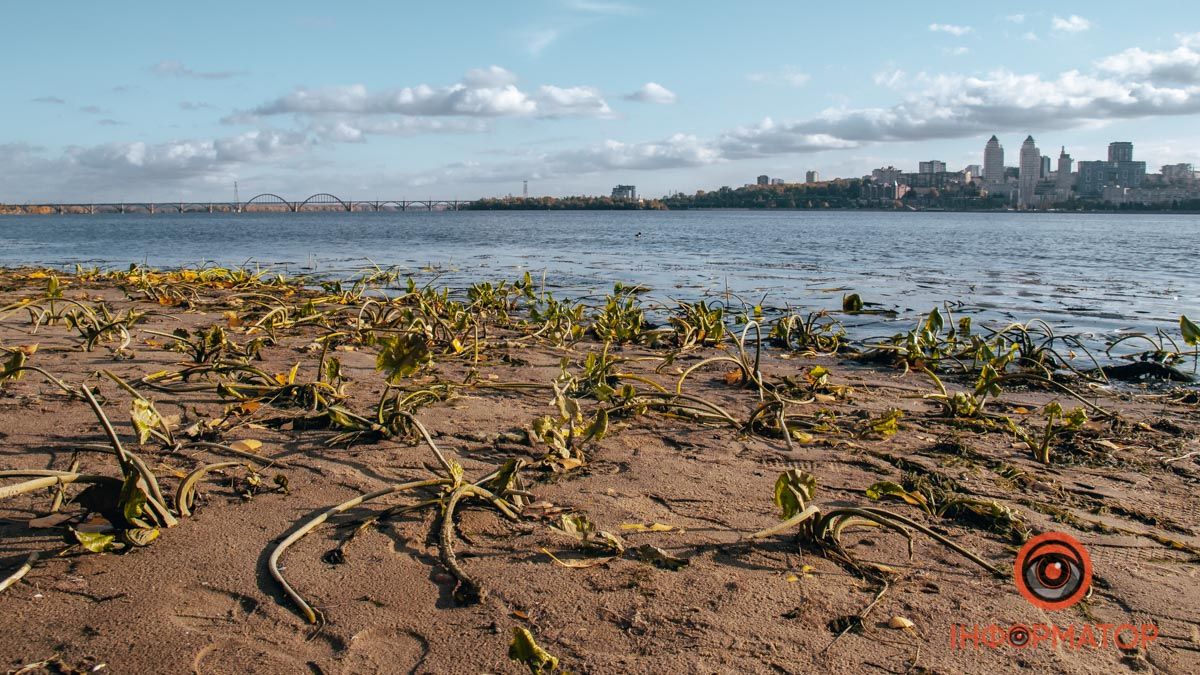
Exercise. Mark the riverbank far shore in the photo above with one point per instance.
(180, 454)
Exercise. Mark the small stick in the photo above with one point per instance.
(21, 572)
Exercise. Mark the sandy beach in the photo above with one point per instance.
(611, 486)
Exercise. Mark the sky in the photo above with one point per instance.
(404, 100)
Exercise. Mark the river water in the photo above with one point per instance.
(1096, 273)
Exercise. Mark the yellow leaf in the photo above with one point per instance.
(246, 407)
(246, 445)
(792, 578)
(233, 319)
(28, 350)
(652, 527)
(901, 623)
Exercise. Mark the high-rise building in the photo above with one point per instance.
(1120, 151)
(764, 180)
(1031, 168)
(993, 161)
(1046, 166)
(812, 176)
(624, 192)
(932, 166)
(1178, 174)
(1063, 180)
(888, 174)
(1119, 171)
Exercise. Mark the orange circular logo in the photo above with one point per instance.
(1053, 571)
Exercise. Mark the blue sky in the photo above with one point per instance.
(170, 101)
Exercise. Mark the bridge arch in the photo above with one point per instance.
(323, 198)
(364, 206)
(268, 198)
(403, 206)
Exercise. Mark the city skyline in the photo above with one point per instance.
(573, 96)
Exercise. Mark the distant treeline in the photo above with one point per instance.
(851, 193)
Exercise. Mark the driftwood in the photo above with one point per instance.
(1140, 370)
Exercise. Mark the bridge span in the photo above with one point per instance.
(266, 202)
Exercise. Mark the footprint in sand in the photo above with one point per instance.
(207, 609)
(384, 650)
(239, 656)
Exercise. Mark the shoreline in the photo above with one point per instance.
(678, 479)
(1123, 211)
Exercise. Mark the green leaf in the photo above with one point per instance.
(986, 384)
(934, 322)
(886, 488)
(659, 558)
(333, 370)
(1191, 332)
(505, 478)
(97, 542)
(1076, 418)
(402, 356)
(141, 536)
(145, 418)
(852, 303)
(887, 424)
(12, 367)
(574, 525)
(599, 426)
(133, 500)
(794, 489)
(524, 650)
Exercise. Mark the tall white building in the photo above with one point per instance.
(993, 161)
(1063, 180)
(1030, 170)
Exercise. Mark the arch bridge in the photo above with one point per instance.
(266, 202)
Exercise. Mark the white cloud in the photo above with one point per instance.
(956, 51)
(675, 152)
(601, 7)
(484, 93)
(537, 40)
(195, 105)
(1180, 65)
(652, 92)
(551, 101)
(1030, 36)
(1071, 24)
(770, 138)
(790, 76)
(356, 129)
(957, 31)
(172, 68)
(492, 76)
(151, 171)
(1015, 18)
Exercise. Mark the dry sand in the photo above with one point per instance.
(199, 599)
